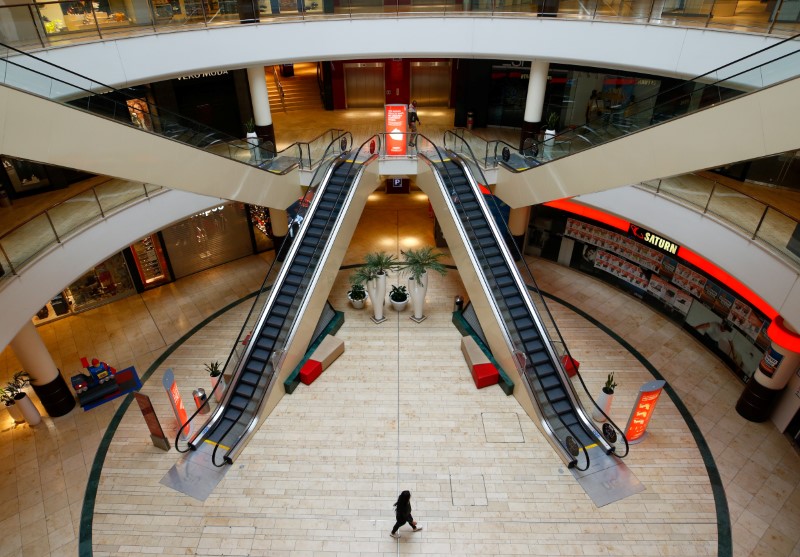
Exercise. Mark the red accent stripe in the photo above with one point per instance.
(485, 190)
(567, 205)
(729, 281)
(780, 335)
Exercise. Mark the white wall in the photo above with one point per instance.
(662, 50)
(764, 272)
(23, 295)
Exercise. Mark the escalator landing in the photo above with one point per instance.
(608, 479)
(194, 474)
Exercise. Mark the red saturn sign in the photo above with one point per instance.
(653, 239)
(643, 411)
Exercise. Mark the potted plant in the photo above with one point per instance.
(417, 263)
(550, 130)
(373, 275)
(605, 399)
(252, 138)
(398, 295)
(357, 294)
(19, 405)
(214, 370)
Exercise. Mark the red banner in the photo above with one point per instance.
(643, 410)
(396, 128)
(176, 401)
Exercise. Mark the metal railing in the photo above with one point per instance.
(279, 86)
(45, 24)
(760, 221)
(21, 245)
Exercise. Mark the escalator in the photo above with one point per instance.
(272, 332)
(569, 429)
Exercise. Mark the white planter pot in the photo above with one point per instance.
(357, 304)
(603, 401)
(549, 140)
(220, 390)
(377, 293)
(252, 139)
(399, 306)
(417, 293)
(15, 413)
(29, 410)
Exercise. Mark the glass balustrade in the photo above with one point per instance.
(45, 24)
(22, 244)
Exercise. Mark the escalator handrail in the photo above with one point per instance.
(325, 245)
(244, 329)
(154, 111)
(552, 320)
(585, 425)
(443, 155)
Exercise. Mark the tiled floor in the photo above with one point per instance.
(397, 411)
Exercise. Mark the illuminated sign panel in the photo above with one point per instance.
(396, 127)
(643, 410)
(653, 239)
(175, 401)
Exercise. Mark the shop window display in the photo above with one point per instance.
(107, 282)
(725, 323)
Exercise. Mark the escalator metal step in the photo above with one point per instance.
(260, 355)
(255, 366)
(238, 402)
(275, 321)
(245, 390)
(250, 378)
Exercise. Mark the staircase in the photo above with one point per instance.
(301, 91)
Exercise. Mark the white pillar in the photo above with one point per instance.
(259, 96)
(32, 353)
(537, 83)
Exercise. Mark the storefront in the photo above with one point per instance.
(649, 267)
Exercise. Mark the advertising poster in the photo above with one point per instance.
(710, 293)
(668, 266)
(682, 301)
(643, 410)
(770, 362)
(396, 128)
(657, 287)
(724, 302)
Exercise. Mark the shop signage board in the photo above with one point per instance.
(176, 401)
(150, 418)
(396, 125)
(643, 410)
(653, 239)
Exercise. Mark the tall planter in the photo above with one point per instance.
(603, 401)
(417, 292)
(28, 410)
(15, 413)
(377, 293)
(219, 381)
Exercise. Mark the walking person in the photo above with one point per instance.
(413, 120)
(403, 514)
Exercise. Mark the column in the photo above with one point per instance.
(260, 99)
(780, 362)
(534, 103)
(279, 221)
(47, 382)
(518, 226)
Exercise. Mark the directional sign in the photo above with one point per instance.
(175, 401)
(643, 410)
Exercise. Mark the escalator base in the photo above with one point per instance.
(194, 474)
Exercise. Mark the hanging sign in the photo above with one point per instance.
(643, 411)
(175, 401)
(396, 128)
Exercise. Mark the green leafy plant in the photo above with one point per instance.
(398, 293)
(379, 262)
(250, 126)
(610, 385)
(552, 121)
(13, 389)
(357, 291)
(418, 261)
(214, 369)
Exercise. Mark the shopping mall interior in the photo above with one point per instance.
(153, 260)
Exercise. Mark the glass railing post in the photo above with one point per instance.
(55, 232)
(760, 222)
(710, 195)
(36, 19)
(8, 260)
(99, 205)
